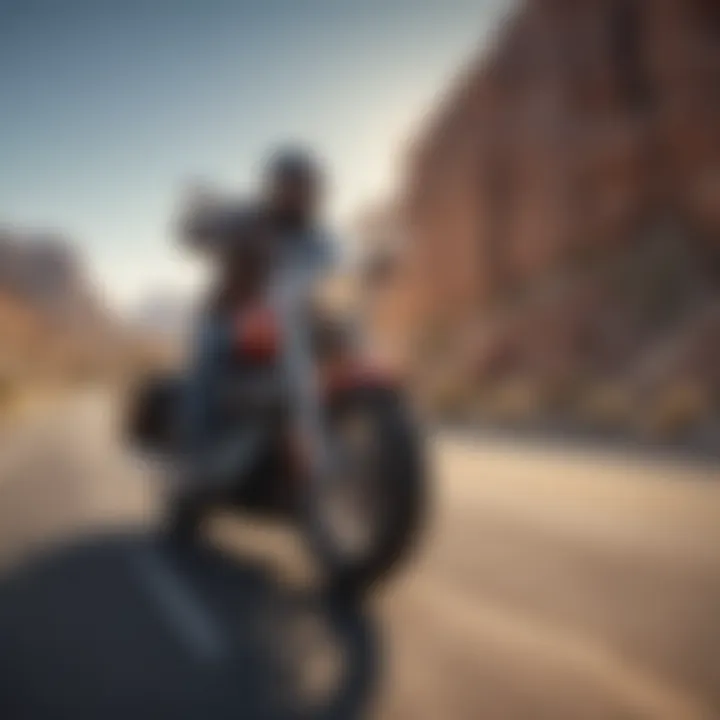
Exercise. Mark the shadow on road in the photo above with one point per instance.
(120, 627)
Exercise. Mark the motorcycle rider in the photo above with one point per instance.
(280, 230)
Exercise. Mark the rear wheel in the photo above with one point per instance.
(362, 521)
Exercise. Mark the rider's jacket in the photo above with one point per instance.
(300, 259)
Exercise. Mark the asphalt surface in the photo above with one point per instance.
(551, 583)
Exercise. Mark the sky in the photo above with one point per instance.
(108, 108)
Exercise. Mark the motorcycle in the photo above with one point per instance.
(335, 449)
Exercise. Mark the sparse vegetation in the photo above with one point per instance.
(515, 400)
(605, 405)
(7, 393)
(674, 410)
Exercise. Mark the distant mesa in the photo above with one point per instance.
(53, 320)
(165, 313)
(45, 271)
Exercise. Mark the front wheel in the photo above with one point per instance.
(363, 521)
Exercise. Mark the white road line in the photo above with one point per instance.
(180, 607)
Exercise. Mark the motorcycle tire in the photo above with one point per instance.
(403, 483)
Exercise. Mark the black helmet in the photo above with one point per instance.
(293, 163)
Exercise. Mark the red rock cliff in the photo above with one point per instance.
(566, 195)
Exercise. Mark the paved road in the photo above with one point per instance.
(551, 584)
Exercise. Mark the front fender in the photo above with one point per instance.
(351, 374)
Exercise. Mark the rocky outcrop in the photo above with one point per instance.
(588, 121)
(562, 208)
(45, 271)
(51, 317)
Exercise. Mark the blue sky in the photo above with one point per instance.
(109, 106)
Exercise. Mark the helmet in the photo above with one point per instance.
(293, 163)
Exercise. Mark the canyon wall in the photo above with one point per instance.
(561, 211)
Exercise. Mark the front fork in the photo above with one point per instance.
(307, 418)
